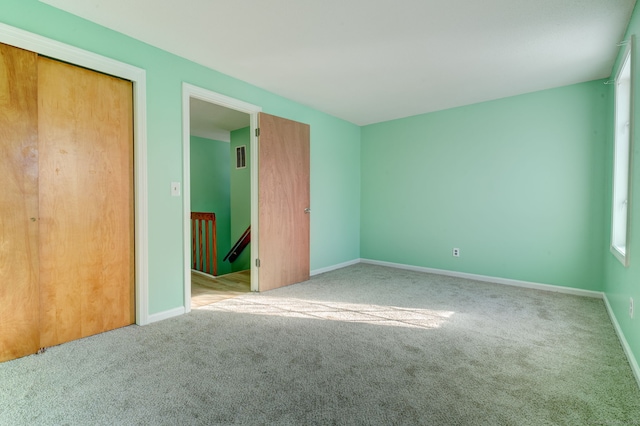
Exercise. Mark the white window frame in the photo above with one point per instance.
(622, 157)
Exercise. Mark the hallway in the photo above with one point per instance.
(207, 290)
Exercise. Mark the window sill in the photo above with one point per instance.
(622, 256)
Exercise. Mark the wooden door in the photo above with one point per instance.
(283, 181)
(19, 292)
(85, 126)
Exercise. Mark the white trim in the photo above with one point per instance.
(189, 91)
(253, 171)
(73, 55)
(622, 253)
(166, 314)
(625, 345)
(334, 267)
(495, 280)
(203, 274)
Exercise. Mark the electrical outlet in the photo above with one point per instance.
(631, 307)
(456, 252)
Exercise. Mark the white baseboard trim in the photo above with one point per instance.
(334, 267)
(485, 278)
(166, 314)
(623, 341)
(203, 274)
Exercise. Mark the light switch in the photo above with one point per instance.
(175, 189)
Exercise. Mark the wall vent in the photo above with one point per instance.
(241, 157)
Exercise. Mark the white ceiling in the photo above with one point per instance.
(215, 122)
(368, 61)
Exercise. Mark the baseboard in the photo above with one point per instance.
(203, 274)
(334, 267)
(485, 278)
(623, 341)
(166, 314)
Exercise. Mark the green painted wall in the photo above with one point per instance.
(240, 196)
(210, 189)
(521, 185)
(335, 145)
(335, 209)
(622, 283)
(517, 184)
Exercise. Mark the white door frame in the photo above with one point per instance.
(190, 91)
(76, 56)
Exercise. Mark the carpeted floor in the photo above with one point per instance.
(362, 345)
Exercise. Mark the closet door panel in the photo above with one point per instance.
(19, 312)
(86, 202)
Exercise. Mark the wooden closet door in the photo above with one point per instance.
(85, 126)
(19, 314)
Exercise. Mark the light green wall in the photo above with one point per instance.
(335, 209)
(240, 197)
(335, 145)
(210, 189)
(517, 184)
(621, 283)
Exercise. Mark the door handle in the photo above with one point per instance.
(307, 210)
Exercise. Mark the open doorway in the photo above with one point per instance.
(221, 188)
(218, 184)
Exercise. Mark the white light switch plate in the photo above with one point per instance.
(175, 189)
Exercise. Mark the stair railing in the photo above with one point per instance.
(239, 246)
(204, 244)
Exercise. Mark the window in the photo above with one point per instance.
(623, 126)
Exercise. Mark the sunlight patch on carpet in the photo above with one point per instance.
(334, 311)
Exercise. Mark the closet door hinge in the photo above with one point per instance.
(258, 263)
(257, 131)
